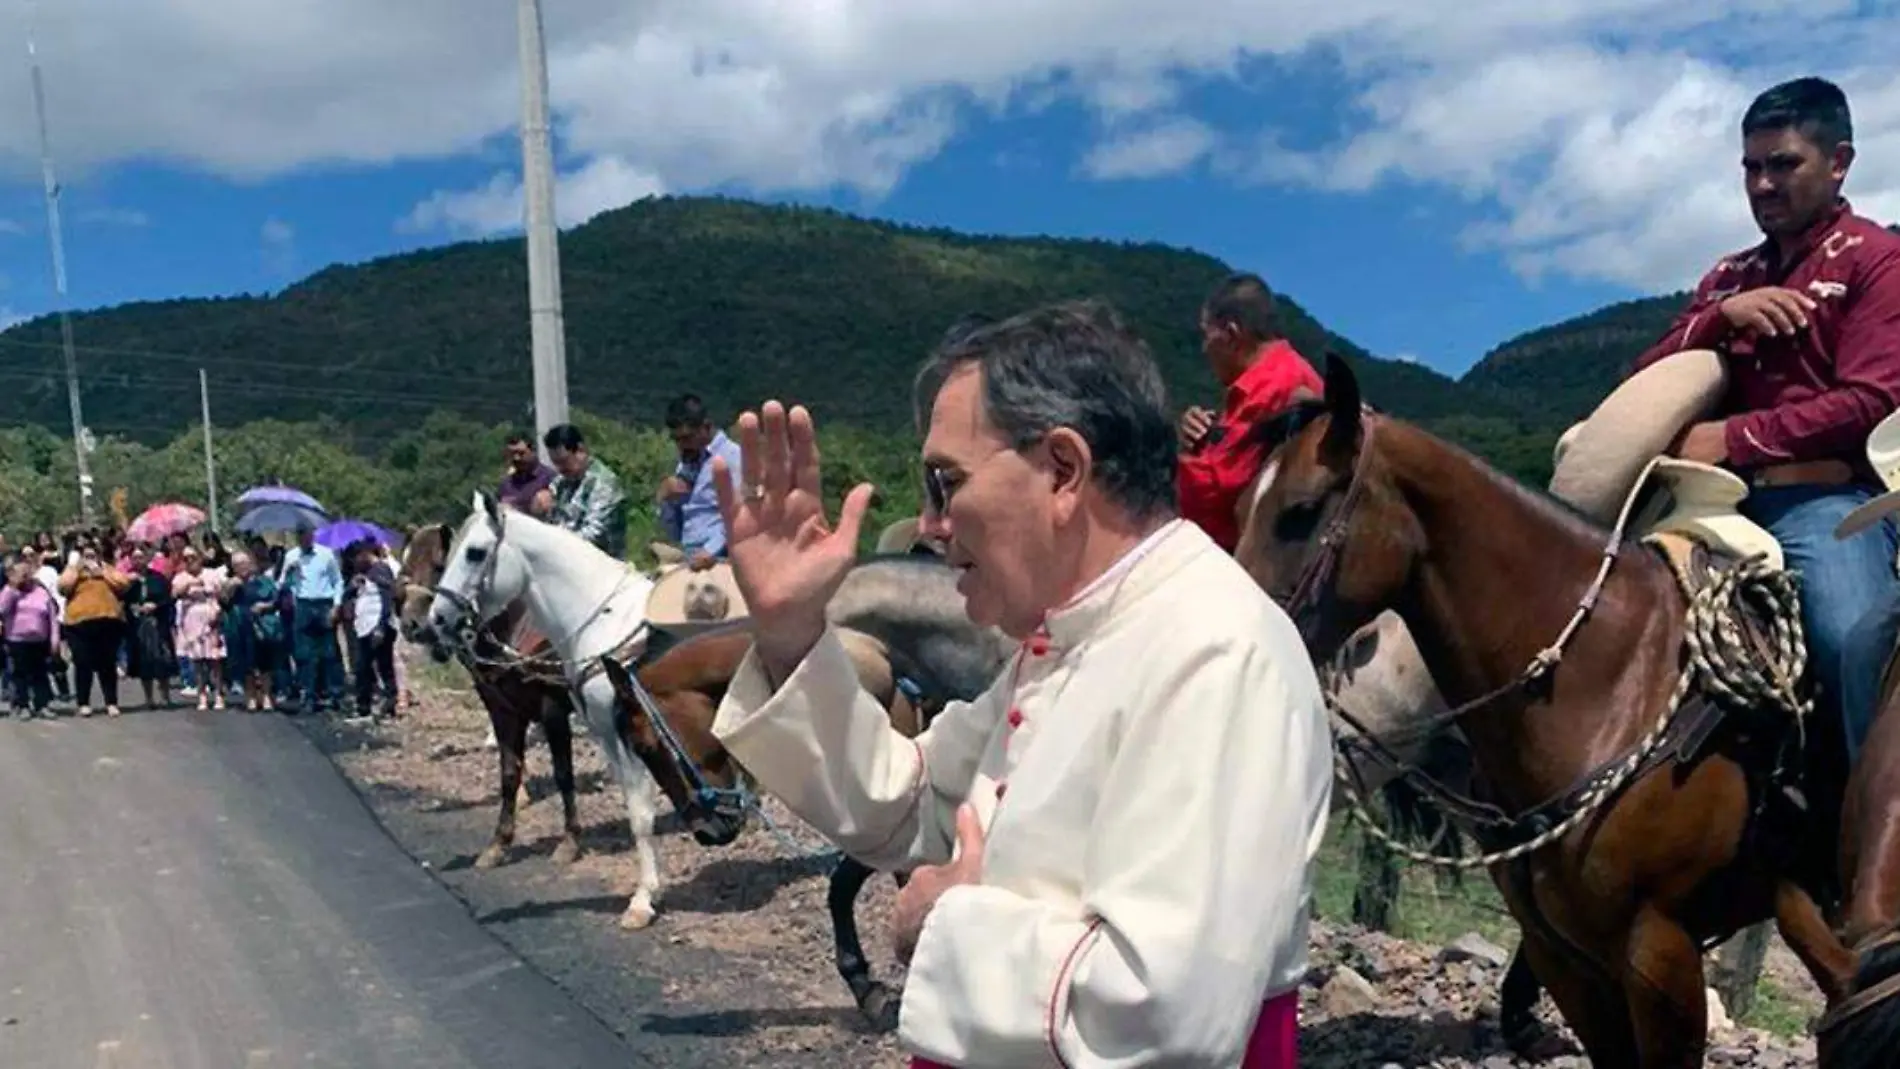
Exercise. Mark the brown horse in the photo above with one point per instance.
(516, 692)
(1862, 1030)
(686, 685)
(1641, 818)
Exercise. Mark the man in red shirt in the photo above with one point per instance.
(1809, 324)
(1262, 374)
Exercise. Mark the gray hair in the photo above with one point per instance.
(1071, 364)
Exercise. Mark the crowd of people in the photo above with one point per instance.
(259, 627)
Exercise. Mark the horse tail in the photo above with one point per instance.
(1411, 817)
(1862, 1030)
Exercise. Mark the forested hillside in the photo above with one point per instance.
(731, 299)
(386, 385)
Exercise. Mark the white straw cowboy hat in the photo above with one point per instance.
(1598, 461)
(905, 536)
(1883, 455)
(683, 596)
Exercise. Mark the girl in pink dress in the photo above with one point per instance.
(201, 626)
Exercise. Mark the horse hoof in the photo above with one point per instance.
(567, 853)
(1538, 1043)
(636, 917)
(490, 857)
(879, 1006)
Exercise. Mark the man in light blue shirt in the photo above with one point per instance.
(314, 578)
(689, 513)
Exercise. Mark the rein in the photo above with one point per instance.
(468, 625)
(731, 803)
(728, 803)
(1719, 662)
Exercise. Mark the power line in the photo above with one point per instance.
(51, 183)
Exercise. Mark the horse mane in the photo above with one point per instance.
(1282, 425)
(1541, 504)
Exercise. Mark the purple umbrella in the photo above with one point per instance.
(343, 533)
(278, 495)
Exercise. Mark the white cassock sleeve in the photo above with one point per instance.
(1195, 888)
(827, 749)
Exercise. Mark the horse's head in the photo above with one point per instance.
(482, 574)
(689, 764)
(425, 554)
(1323, 528)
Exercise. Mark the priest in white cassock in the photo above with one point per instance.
(1111, 849)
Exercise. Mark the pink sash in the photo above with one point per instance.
(1275, 1043)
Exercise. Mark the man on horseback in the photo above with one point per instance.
(587, 496)
(689, 513)
(1261, 373)
(1110, 850)
(1807, 324)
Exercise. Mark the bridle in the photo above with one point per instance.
(1306, 598)
(469, 620)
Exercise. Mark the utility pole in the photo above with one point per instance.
(544, 256)
(81, 440)
(211, 466)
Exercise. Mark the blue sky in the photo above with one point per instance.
(1427, 183)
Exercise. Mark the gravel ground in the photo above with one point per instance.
(738, 968)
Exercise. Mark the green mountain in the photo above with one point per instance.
(734, 300)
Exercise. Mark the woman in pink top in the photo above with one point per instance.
(29, 618)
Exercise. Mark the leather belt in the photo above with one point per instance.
(1804, 473)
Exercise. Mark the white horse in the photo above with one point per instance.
(589, 606)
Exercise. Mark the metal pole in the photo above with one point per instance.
(80, 445)
(544, 257)
(211, 467)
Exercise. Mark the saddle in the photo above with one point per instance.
(1681, 502)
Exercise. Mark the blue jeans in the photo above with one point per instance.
(1844, 584)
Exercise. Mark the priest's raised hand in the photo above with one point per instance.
(787, 558)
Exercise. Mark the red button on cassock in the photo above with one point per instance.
(1038, 646)
(1015, 718)
(1000, 788)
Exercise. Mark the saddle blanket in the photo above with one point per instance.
(1275, 1043)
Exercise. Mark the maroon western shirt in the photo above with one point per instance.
(1814, 395)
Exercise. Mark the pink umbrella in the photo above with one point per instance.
(160, 522)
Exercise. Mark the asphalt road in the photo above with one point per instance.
(188, 890)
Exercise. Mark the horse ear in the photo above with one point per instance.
(446, 533)
(490, 506)
(1343, 404)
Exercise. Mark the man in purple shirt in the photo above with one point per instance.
(527, 485)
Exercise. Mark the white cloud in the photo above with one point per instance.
(10, 318)
(1596, 137)
(277, 241)
(8, 226)
(131, 218)
(498, 207)
(1165, 147)
(276, 232)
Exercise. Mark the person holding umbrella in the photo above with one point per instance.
(314, 579)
